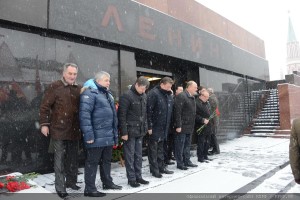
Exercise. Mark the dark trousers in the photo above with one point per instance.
(156, 156)
(65, 163)
(214, 142)
(182, 149)
(95, 156)
(203, 145)
(133, 158)
(169, 147)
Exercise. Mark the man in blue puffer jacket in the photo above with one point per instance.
(98, 123)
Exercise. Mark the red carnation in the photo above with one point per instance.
(12, 186)
(23, 186)
(8, 178)
(1, 185)
(218, 112)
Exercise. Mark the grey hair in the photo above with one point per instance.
(188, 84)
(101, 74)
(66, 65)
(210, 90)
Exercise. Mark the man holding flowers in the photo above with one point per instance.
(214, 104)
(203, 125)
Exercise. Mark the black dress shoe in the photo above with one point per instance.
(157, 175)
(169, 162)
(134, 184)
(165, 171)
(142, 181)
(191, 165)
(112, 187)
(94, 194)
(73, 187)
(62, 194)
(183, 168)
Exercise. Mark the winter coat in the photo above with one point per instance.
(213, 101)
(132, 113)
(214, 104)
(98, 117)
(203, 112)
(294, 149)
(159, 113)
(172, 128)
(59, 110)
(185, 111)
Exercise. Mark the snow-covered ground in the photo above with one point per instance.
(252, 165)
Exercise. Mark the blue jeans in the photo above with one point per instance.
(182, 149)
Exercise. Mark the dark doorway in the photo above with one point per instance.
(154, 77)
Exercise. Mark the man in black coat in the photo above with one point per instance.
(132, 115)
(214, 104)
(169, 152)
(185, 110)
(159, 112)
(203, 112)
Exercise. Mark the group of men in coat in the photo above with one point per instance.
(139, 114)
(154, 113)
(68, 112)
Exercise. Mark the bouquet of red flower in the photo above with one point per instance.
(214, 114)
(117, 154)
(16, 183)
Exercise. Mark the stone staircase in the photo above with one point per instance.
(267, 121)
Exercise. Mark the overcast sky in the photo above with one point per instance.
(267, 19)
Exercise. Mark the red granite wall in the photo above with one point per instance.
(289, 104)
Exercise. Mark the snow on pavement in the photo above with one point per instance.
(241, 161)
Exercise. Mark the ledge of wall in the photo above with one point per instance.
(293, 78)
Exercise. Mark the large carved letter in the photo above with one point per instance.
(112, 12)
(145, 26)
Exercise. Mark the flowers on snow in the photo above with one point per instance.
(16, 183)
